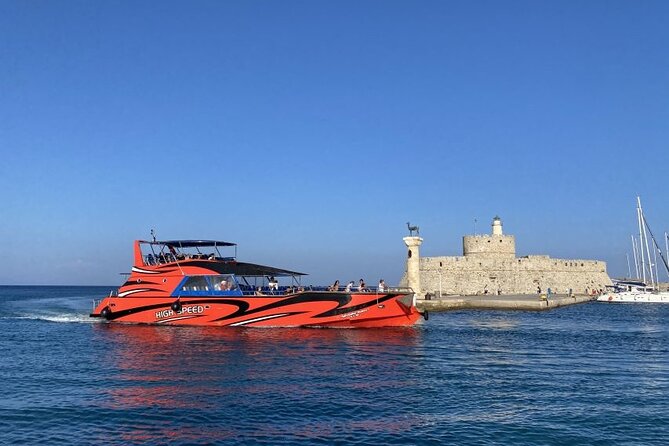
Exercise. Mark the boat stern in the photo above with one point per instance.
(102, 308)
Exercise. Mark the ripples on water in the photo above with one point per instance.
(587, 374)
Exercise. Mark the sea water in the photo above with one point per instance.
(590, 374)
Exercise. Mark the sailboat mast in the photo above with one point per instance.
(638, 217)
(635, 253)
(657, 276)
(647, 246)
(666, 248)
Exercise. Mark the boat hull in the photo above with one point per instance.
(305, 309)
(631, 297)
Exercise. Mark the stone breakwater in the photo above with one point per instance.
(522, 302)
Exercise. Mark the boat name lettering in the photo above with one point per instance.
(164, 313)
(353, 313)
(193, 309)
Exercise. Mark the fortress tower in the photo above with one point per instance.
(489, 266)
(496, 245)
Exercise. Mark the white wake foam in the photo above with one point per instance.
(60, 317)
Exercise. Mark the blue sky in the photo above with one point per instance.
(310, 132)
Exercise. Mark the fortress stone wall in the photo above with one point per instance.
(489, 246)
(489, 266)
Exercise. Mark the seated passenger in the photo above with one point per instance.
(334, 286)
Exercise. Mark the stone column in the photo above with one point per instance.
(413, 264)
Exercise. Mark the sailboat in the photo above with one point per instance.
(639, 290)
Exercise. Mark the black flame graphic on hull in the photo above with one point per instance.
(341, 300)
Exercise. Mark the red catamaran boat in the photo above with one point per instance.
(189, 282)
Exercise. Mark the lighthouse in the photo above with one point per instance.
(497, 226)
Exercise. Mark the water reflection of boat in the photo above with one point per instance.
(207, 372)
(189, 282)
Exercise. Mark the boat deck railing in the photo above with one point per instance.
(284, 290)
(162, 259)
(112, 293)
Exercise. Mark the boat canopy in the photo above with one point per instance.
(254, 270)
(190, 243)
(168, 251)
(629, 282)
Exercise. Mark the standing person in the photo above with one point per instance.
(382, 286)
(361, 285)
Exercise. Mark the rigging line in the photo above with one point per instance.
(664, 260)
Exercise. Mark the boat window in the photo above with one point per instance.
(224, 282)
(196, 283)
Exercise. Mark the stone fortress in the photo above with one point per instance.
(489, 266)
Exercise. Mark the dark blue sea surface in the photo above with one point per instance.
(588, 374)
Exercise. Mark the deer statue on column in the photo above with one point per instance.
(412, 229)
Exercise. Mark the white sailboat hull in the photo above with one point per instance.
(635, 297)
